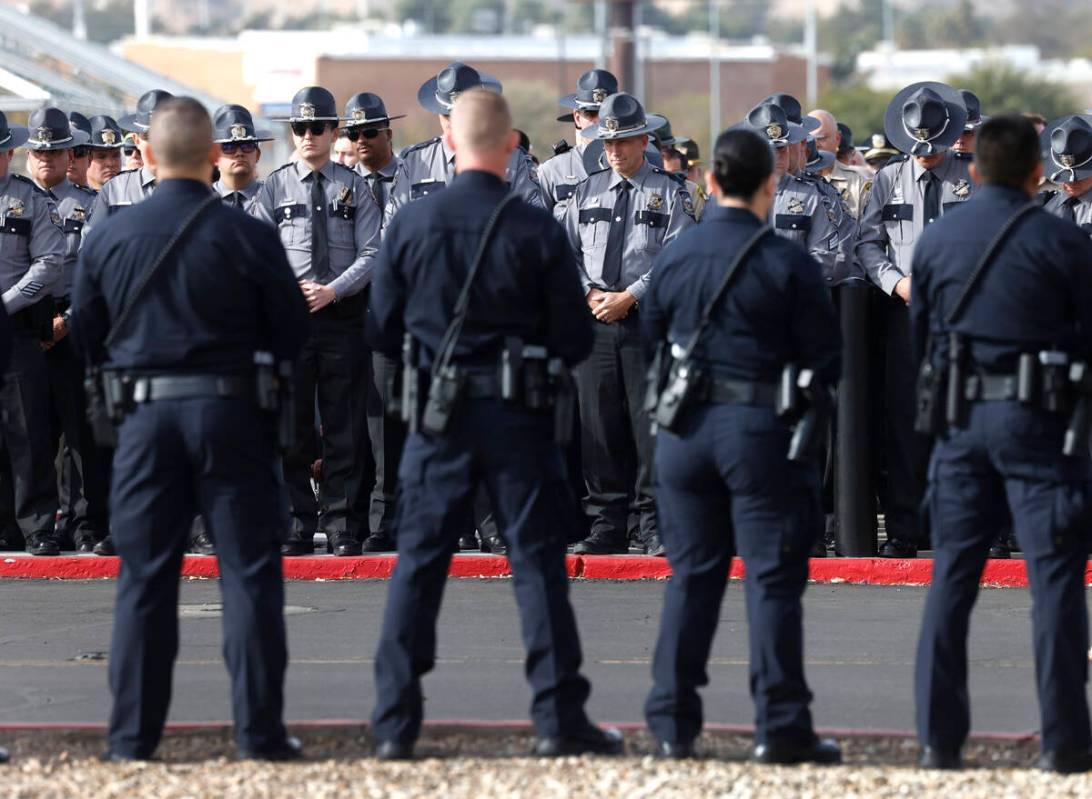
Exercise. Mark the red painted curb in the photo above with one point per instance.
(855, 571)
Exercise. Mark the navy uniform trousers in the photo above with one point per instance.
(177, 458)
(1007, 457)
(511, 452)
(724, 485)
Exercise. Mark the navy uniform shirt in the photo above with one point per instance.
(1076, 209)
(228, 293)
(32, 246)
(427, 167)
(777, 311)
(73, 207)
(527, 287)
(241, 198)
(1035, 294)
(659, 210)
(126, 188)
(894, 215)
(352, 223)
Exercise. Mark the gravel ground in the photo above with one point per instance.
(199, 764)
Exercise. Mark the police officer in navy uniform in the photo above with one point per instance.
(1067, 158)
(193, 438)
(618, 220)
(105, 146)
(240, 150)
(429, 166)
(135, 185)
(31, 263)
(329, 224)
(559, 176)
(1031, 306)
(367, 127)
(724, 480)
(528, 289)
(913, 191)
(49, 151)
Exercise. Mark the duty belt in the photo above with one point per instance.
(175, 387)
(991, 388)
(481, 385)
(722, 391)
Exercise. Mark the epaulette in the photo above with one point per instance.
(345, 168)
(672, 175)
(419, 146)
(1045, 197)
(32, 184)
(896, 159)
(282, 167)
(86, 190)
(562, 146)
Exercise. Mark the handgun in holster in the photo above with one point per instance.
(1077, 431)
(656, 377)
(445, 390)
(403, 393)
(525, 375)
(928, 419)
(681, 391)
(955, 404)
(274, 394)
(1056, 385)
(813, 405)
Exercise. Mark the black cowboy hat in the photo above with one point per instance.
(925, 118)
(366, 109)
(141, 120)
(1066, 143)
(231, 123)
(438, 94)
(50, 129)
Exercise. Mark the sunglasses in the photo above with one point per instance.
(355, 134)
(129, 151)
(80, 152)
(229, 148)
(316, 128)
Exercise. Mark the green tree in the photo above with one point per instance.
(858, 106)
(1003, 89)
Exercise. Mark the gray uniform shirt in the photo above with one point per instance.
(124, 189)
(802, 213)
(73, 207)
(845, 226)
(32, 246)
(894, 215)
(385, 176)
(559, 177)
(659, 210)
(428, 167)
(1082, 208)
(352, 223)
(245, 196)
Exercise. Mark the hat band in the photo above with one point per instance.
(51, 141)
(617, 132)
(925, 146)
(1071, 169)
(587, 103)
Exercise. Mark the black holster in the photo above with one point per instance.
(955, 406)
(444, 394)
(927, 418)
(1077, 431)
(681, 391)
(809, 435)
(108, 399)
(274, 393)
(404, 387)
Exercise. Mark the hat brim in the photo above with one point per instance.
(825, 160)
(117, 145)
(290, 120)
(797, 134)
(259, 136)
(1052, 170)
(811, 124)
(78, 139)
(594, 156)
(356, 123)
(901, 139)
(570, 101)
(673, 141)
(17, 137)
(426, 95)
(652, 122)
(133, 123)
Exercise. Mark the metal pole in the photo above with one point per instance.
(142, 18)
(623, 51)
(714, 72)
(888, 22)
(79, 21)
(810, 46)
(602, 32)
(640, 89)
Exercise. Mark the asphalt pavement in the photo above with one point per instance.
(54, 636)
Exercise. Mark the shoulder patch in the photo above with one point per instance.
(562, 146)
(419, 146)
(31, 183)
(282, 167)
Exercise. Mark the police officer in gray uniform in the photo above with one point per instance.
(31, 261)
(329, 226)
(618, 220)
(240, 151)
(1067, 161)
(133, 185)
(52, 139)
(429, 166)
(923, 121)
(367, 126)
(559, 176)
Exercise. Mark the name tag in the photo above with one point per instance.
(285, 213)
(564, 191)
(16, 227)
(341, 211)
(797, 222)
(949, 206)
(651, 218)
(425, 188)
(589, 216)
(902, 212)
(113, 209)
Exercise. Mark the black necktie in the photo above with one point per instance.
(1069, 209)
(236, 199)
(931, 206)
(616, 239)
(377, 190)
(320, 236)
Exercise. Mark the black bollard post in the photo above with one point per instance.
(855, 479)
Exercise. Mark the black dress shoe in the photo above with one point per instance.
(392, 750)
(818, 549)
(1065, 761)
(379, 542)
(43, 547)
(822, 751)
(85, 546)
(202, 544)
(600, 545)
(13, 542)
(467, 543)
(496, 545)
(296, 547)
(655, 548)
(1000, 551)
(590, 741)
(938, 758)
(289, 749)
(665, 750)
(898, 548)
(345, 546)
(105, 548)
